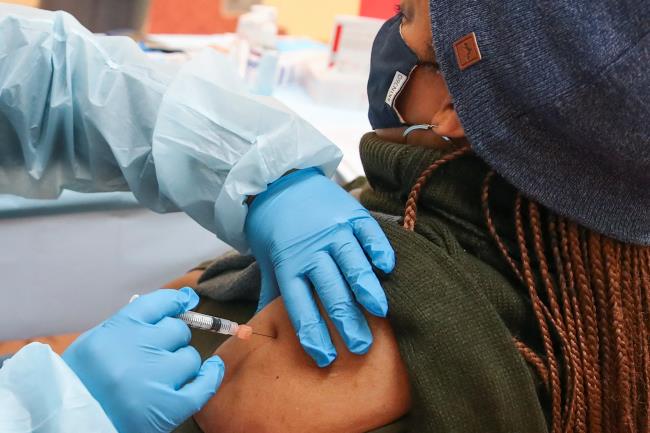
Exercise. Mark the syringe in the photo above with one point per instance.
(216, 324)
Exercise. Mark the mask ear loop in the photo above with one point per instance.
(424, 127)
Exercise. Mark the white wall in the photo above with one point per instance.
(66, 272)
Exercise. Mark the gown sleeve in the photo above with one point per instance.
(93, 113)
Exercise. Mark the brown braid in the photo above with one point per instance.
(410, 215)
(587, 305)
(612, 252)
(642, 355)
(645, 336)
(485, 198)
(533, 359)
(592, 303)
(606, 349)
(560, 322)
(629, 308)
(553, 367)
(576, 418)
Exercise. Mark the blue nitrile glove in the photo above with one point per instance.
(139, 367)
(305, 231)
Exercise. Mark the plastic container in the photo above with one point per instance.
(352, 42)
(259, 27)
(257, 32)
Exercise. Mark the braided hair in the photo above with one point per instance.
(592, 307)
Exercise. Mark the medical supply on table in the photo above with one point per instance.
(267, 60)
(341, 79)
(296, 54)
(259, 27)
(256, 49)
(262, 70)
(352, 43)
(330, 88)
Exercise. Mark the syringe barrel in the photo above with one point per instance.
(209, 323)
(225, 327)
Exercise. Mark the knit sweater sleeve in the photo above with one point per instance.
(466, 373)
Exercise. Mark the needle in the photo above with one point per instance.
(263, 335)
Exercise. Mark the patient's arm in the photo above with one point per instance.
(191, 279)
(272, 385)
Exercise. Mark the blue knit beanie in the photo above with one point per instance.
(555, 96)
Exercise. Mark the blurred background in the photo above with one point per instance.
(93, 251)
(321, 47)
(298, 17)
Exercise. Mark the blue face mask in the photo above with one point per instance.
(391, 66)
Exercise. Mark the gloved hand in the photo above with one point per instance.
(305, 231)
(139, 367)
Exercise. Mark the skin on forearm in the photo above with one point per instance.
(272, 385)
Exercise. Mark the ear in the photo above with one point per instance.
(448, 121)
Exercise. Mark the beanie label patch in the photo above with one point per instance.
(467, 51)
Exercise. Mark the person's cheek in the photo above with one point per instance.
(393, 135)
(420, 99)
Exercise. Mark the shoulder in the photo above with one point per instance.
(454, 340)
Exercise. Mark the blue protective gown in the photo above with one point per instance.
(91, 113)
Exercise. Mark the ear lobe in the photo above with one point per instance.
(448, 122)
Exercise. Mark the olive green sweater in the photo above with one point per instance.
(454, 305)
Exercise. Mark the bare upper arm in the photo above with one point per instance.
(271, 385)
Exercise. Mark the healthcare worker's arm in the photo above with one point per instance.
(92, 113)
(134, 373)
(39, 392)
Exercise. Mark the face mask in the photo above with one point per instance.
(391, 66)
